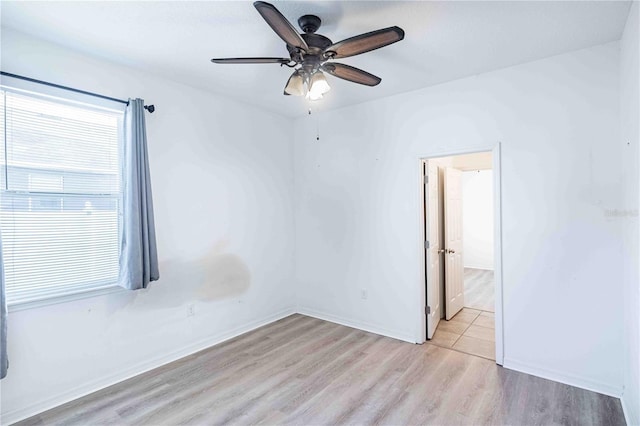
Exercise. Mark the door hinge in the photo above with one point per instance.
(426, 244)
(426, 179)
(427, 310)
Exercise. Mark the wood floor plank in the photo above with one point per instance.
(357, 385)
(302, 370)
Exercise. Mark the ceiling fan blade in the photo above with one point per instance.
(365, 42)
(251, 60)
(280, 25)
(356, 75)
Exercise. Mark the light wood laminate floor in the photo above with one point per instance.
(302, 370)
(479, 289)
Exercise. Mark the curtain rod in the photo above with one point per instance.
(149, 108)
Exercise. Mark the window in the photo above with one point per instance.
(60, 195)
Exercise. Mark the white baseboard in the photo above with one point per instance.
(628, 415)
(142, 367)
(567, 379)
(371, 328)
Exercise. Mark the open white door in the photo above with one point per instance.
(432, 252)
(454, 268)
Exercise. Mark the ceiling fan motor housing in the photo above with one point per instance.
(317, 43)
(312, 58)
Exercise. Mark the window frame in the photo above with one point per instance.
(62, 96)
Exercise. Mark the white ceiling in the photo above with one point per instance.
(444, 40)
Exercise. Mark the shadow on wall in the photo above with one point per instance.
(215, 276)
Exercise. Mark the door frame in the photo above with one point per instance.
(497, 242)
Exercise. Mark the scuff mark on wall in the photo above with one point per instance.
(223, 275)
(214, 276)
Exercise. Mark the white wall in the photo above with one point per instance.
(630, 137)
(222, 184)
(357, 214)
(477, 219)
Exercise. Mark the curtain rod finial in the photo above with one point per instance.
(150, 108)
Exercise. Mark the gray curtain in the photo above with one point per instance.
(4, 360)
(138, 256)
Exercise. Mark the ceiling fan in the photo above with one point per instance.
(310, 53)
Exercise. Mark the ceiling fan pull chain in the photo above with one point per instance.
(317, 127)
(317, 124)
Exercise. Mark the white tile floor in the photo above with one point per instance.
(471, 331)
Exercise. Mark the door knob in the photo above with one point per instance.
(441, 251)
(450, 251)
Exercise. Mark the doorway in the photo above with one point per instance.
(461, 235)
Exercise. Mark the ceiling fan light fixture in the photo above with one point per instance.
(295, 85)
(318, 84)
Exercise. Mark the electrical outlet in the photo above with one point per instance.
(363, 293)
(191, 310)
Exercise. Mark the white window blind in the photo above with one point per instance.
(60, 196)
